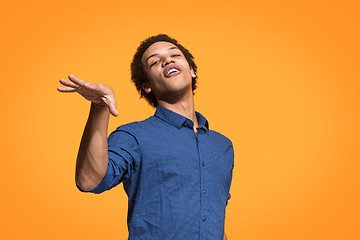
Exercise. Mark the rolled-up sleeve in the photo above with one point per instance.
(123, 158)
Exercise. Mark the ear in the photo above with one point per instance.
(146, 87)
(192, 72)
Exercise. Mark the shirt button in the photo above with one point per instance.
(204, 191)
(204, 219)
(203, 164)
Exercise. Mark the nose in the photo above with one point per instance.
(167, 60)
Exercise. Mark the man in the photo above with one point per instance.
(175, 171)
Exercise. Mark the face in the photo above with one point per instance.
(168, 71)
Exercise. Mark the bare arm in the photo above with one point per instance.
(92, 159)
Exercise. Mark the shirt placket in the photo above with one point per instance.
(203, 187)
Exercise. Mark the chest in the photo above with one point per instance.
(175, 155)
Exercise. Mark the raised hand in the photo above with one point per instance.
(99, 94)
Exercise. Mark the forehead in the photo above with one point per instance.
(157, 47)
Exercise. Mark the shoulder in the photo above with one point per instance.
(218, 137)
(133, 129)
(222, 148)
(221, 144)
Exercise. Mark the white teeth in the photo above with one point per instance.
(172, 70)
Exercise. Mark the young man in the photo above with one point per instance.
(175, 171)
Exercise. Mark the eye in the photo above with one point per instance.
(154, 63)
(175, 55)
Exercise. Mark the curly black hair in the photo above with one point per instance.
(138, 74)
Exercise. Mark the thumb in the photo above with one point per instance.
(111, 107)
(113, 110)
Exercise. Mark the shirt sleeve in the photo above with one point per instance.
(229, 195)
(123, 158)
(230, 178)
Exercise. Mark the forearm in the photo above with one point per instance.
(92, 159)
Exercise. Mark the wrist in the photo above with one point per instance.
(99, 106)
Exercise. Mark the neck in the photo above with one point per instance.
(184, 107)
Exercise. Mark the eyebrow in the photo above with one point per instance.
(153, 55)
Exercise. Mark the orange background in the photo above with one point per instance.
(280, 79)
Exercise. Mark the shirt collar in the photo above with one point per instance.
(178, 120)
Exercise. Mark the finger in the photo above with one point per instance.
(66, 89)
(111, 107)
(113, 110)
(68, 83)
(90, 86)
(77, 81)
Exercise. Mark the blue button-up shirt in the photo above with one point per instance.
(177, 182)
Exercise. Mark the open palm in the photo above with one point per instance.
(97, 93)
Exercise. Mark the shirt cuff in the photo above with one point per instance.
(102, 186)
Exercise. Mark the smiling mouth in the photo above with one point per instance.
(171, 72)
